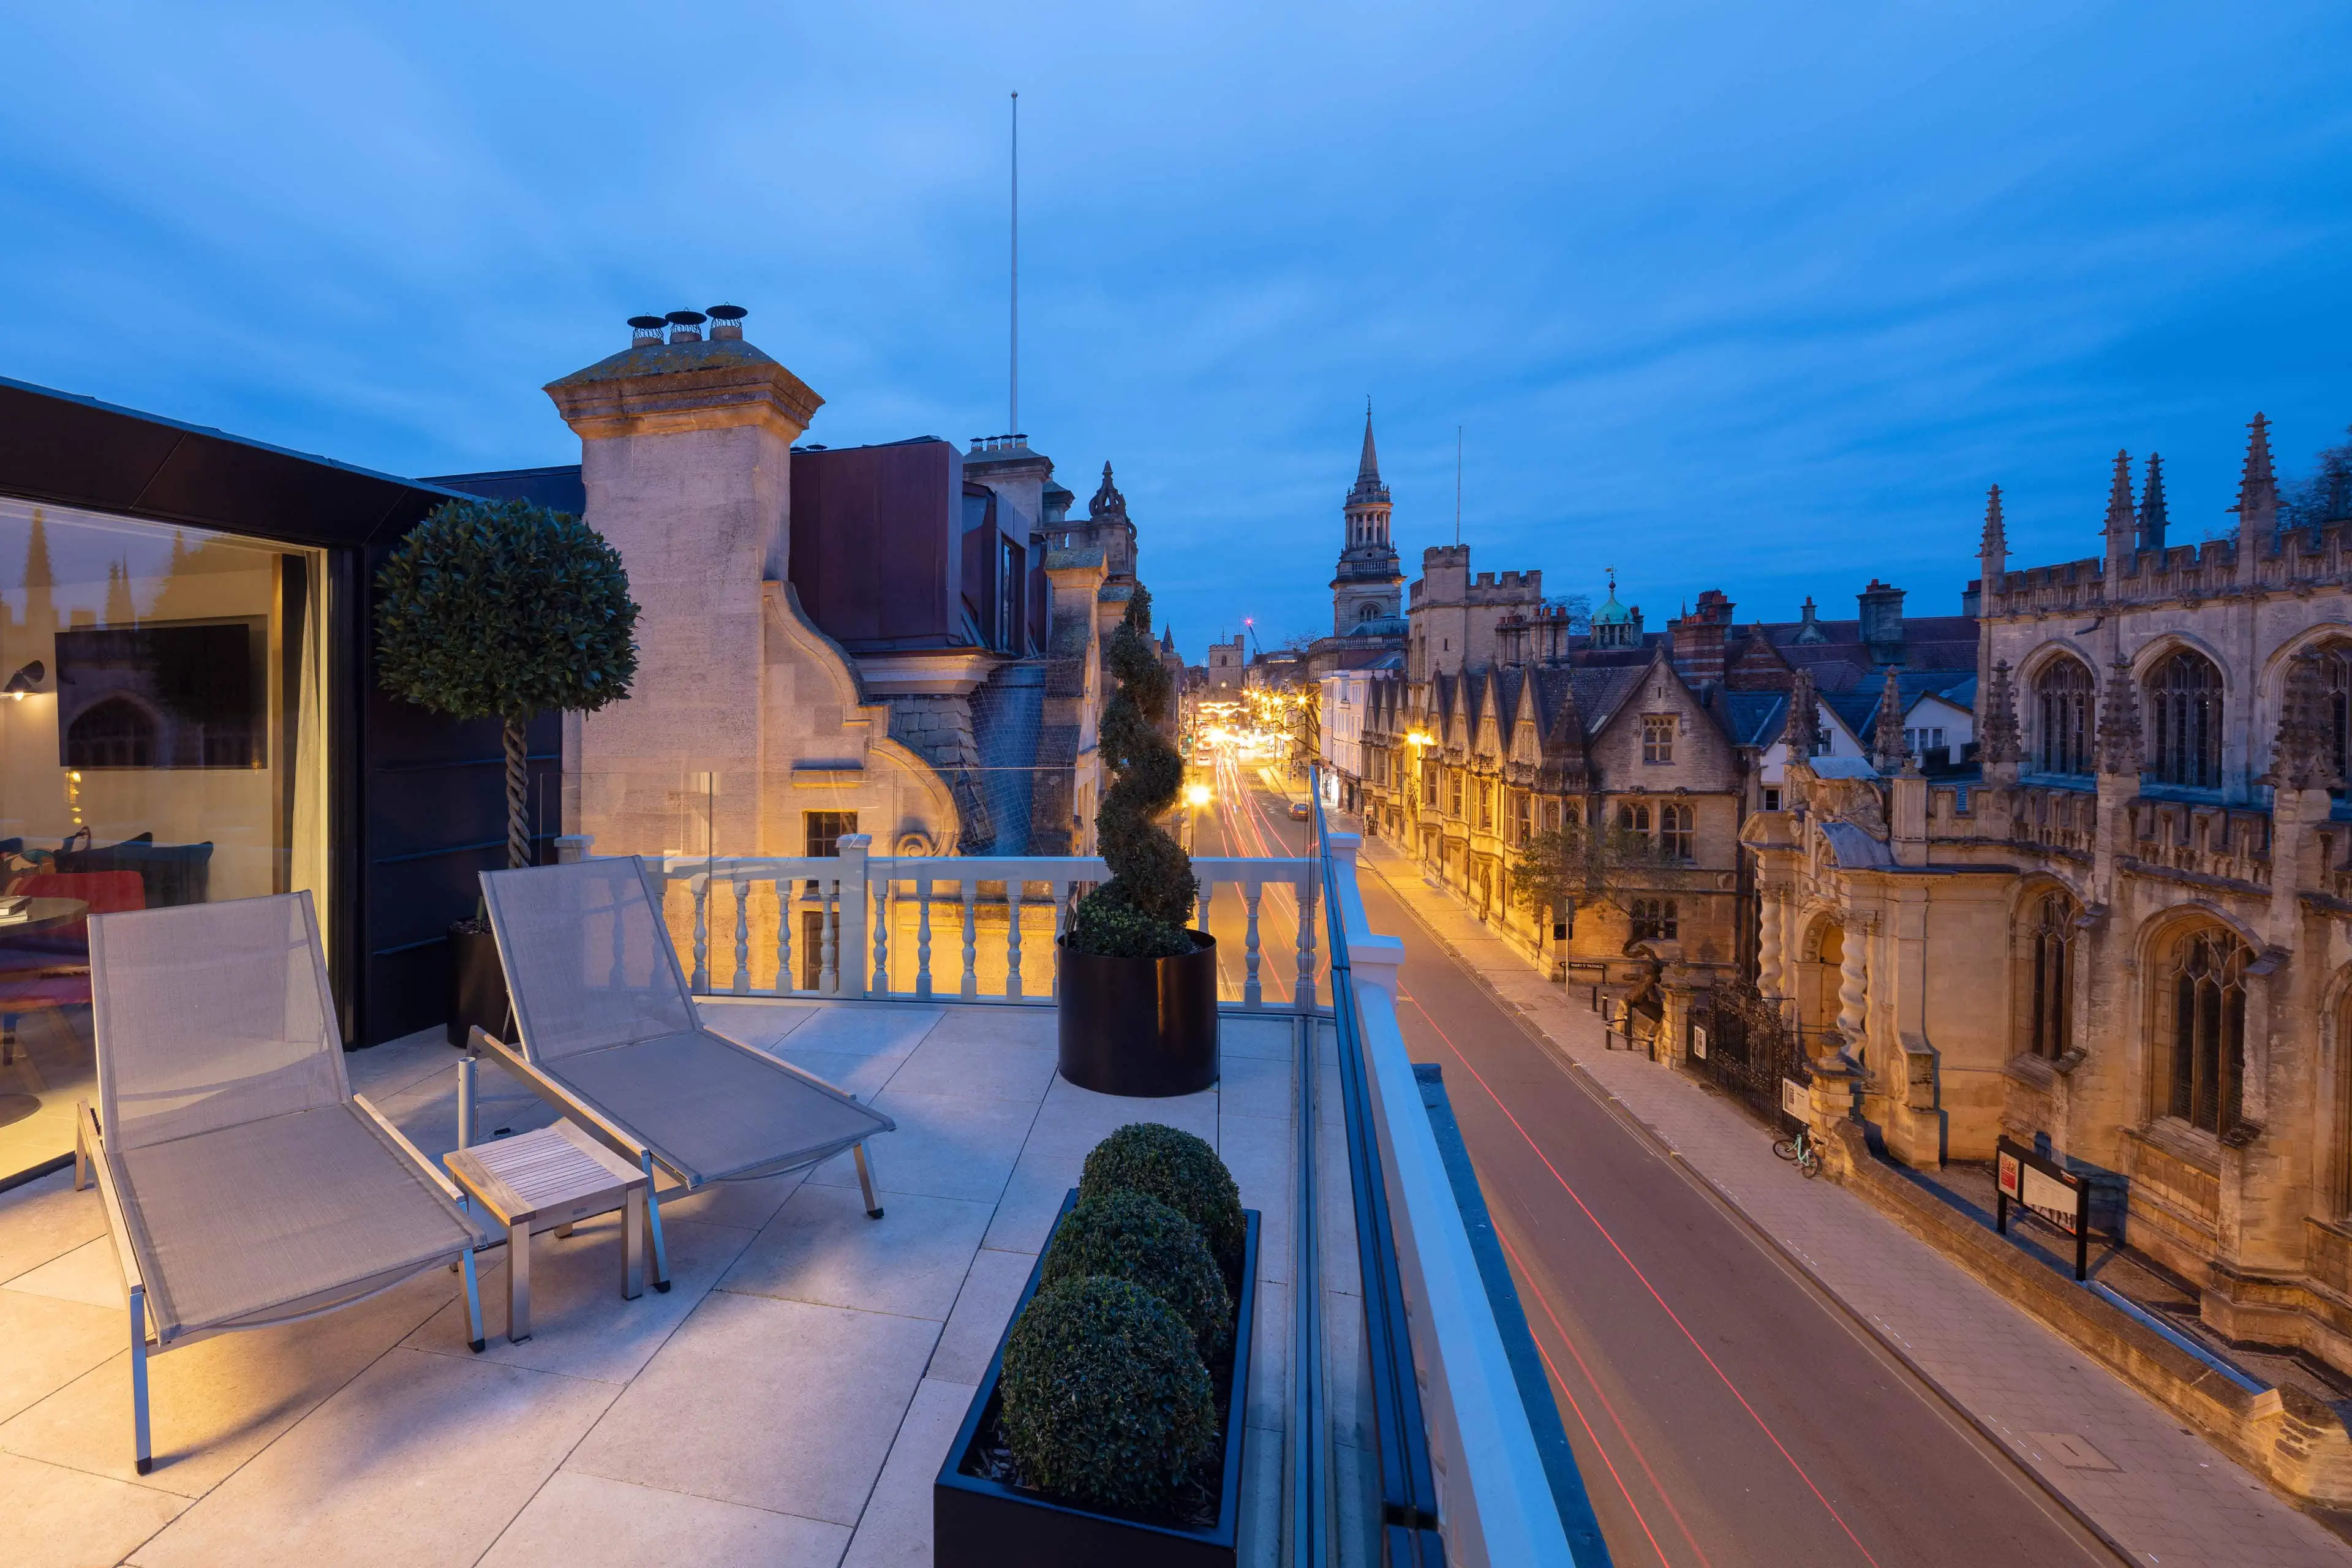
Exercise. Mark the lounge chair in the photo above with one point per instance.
(245, 1182)
(609, 1035)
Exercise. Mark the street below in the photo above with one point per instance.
(1722, 1411)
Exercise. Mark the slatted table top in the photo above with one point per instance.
(535, 1173)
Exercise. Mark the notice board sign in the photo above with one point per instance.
(1796, 1099)
(1699, 1041)
(2050, 1190)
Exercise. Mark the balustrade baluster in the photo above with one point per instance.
(923, 938)
(742, 886)
(785, 980)
(971, 987)
(784, 937)
(1061, 891)
(1013, 889)
(700, 885)
(828, 975)
(1251, 893)
(881, 893)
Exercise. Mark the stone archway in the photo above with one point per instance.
(1815, 991)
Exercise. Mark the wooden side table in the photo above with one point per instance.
(549, 1180)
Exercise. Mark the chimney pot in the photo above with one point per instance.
(644, 329)
(726, 322)
(686, 326)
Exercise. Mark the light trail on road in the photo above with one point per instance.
(1724, 1413)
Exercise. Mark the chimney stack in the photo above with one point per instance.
(1882, 622)
(1698, 638)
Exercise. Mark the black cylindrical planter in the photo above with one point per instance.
(477, 986)
(1145, 1028)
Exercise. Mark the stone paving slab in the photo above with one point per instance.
(2173, 1500)
(789, 1402)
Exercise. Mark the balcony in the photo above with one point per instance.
(792, 1398)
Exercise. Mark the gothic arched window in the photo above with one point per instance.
(2184, 721)
(2051, 972)
(113, 733)
(2200, 1048)
(2062, 711)
(2336, 673)
(1677, 831)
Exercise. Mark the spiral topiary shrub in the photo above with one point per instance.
(1124, 1234)
(1173, 1166)
(1141, 911)
(1104, 1399)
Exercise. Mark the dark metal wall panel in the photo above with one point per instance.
(876, 553)
(433, 816)
(80, 452)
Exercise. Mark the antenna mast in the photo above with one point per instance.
(1014, 428)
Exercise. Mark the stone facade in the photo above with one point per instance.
(2128, 935)
(753, 729)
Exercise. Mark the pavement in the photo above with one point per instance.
(1949, 1426)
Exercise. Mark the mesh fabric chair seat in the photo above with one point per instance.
(713, 1111)
(610, 1032)
(281, 1217)
(243, 1181)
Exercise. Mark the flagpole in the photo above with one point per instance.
(1013, 427)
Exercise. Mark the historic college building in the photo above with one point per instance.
(2074, 866)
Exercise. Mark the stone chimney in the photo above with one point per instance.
(686, 453)
(1698, 638)
(1882, 622)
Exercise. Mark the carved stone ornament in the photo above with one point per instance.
(2120, 749)
(2000, 740)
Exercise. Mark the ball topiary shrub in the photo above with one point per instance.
(1124, 1234)
(1180, 1171)
(1104, 1399)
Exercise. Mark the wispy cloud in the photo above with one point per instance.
(1755, 298)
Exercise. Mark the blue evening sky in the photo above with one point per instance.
(1750, 297)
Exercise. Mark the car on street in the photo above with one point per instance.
(1298, 812)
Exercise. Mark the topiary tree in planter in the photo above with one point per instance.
(1176, 1168)
(1124, 1234)
(1138, 991)
(1141, 911)
(504, 609)
(1105, 1399)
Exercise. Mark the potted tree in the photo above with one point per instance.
(1138, 988)
(502, 610)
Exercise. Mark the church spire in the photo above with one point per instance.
(2257, 501)
(1992, 549)
(2151, 507)
(1369, 467)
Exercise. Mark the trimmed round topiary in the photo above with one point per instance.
(1180, 1171)
(1126, 1235)
(1104, 1401)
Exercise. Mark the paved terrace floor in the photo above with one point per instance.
(788, 1403)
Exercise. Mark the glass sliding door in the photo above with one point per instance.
(162, 742)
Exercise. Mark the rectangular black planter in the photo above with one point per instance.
(981, 1523)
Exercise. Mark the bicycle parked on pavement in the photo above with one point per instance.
(1803, 1151)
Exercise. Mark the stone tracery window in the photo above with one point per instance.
(2200, 1048)
(2184, 721)
(2063, 706)
(2051, 977)
(1677, 831)
(2336, 671)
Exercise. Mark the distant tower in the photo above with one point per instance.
(1369, 586)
